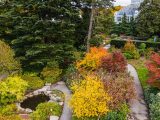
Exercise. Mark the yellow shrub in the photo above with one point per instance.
(89, 98)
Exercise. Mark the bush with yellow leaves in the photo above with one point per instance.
(92, 60)
(89, 98)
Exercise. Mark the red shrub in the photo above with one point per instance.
(114, 63)
(120, 88)
(153, 66)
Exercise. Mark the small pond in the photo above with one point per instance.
(33, 102)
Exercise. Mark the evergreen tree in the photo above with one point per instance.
(148, 20)
(42, 30)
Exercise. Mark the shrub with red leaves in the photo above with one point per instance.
(120, 88)
(153, 66)
(114, 63)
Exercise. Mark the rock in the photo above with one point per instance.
(48, 84)
(35, 93)
(28, 110)
(60, 103)
(53, 98)
(54, 118)
(58, 98)
(48, 92)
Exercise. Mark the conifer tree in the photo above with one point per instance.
(40, 31)
(148, 20)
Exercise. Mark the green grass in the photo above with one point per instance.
(142, 71)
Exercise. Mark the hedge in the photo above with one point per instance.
(121, 43)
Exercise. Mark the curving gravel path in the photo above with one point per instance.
(66, 113)
(138, 106)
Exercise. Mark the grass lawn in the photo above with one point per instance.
(142, 71)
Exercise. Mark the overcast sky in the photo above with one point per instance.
(122, 2)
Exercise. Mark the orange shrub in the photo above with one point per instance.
(92, 60)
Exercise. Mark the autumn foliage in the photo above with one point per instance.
(92, 60)
(153, 66)
(114, 62)
(89, 98)
(120, 88)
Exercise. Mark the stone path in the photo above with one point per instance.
(66, 113)
(138, 106)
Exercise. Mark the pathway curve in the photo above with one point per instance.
(66, 113)
(138, 106)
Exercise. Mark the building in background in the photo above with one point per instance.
(130, 11)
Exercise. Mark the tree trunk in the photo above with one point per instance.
(90, 27)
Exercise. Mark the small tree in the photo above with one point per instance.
(7, 61)
(89, 98)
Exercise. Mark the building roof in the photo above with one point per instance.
(129, 10)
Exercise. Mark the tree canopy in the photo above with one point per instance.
(148, 23)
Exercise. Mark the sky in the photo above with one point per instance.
(122, 2)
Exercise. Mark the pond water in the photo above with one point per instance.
(33, 102)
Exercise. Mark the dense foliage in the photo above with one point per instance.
(120, 88)
(152, 97)
(130, 51)
(92, 60)
(34, 82)
(45, 110)
(148, 19)
(12, 89)
(7, 61)
(153, 67)
(89, 98)
(40, 31)
(51, 73)
(114, 63)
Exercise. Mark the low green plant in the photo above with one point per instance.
(34, 82)
(142, 49)
(9, 109)
(45, 110)
(152, 97)
(51, 73)
(96, 41)
(120, 114)
(130, 51)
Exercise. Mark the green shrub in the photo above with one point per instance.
(51, 73)
(8, 109)
(142, 49)
(96, 41)
(120, 114)
(153, 99)
(45, 110)
(130, 51)
(128, 55)
(34, 82)
(121, 43)
(71, 75)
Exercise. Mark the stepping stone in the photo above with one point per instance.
(54, 118)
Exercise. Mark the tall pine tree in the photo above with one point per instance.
(40, 31)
